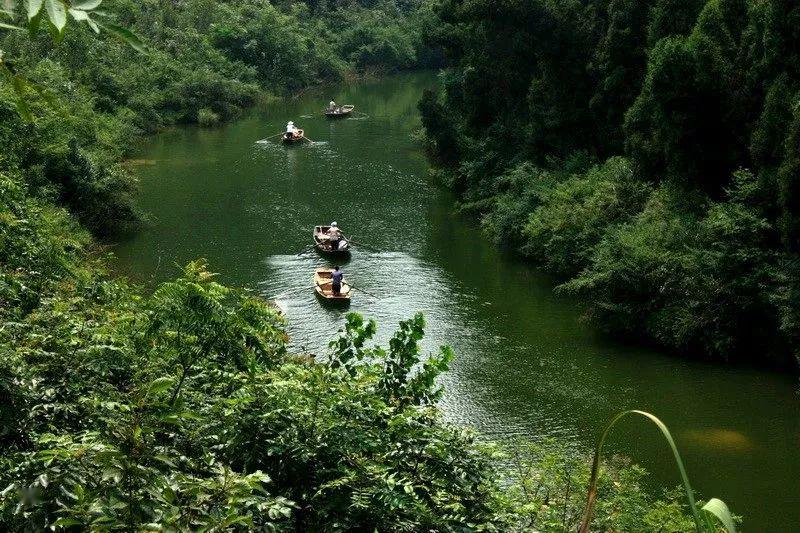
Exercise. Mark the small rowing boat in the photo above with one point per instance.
(323, 286)
(289, 138)
(340, 111)
(323, 244)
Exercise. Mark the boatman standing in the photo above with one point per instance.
(336, 281)
(290, 129)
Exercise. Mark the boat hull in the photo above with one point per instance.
(322, 247)
(342, 112)
(289, 139)
(324, 290)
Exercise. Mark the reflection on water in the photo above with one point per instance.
(525, 365)
(719, 439)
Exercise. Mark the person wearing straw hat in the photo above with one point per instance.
(292, 132)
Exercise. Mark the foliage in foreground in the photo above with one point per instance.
(183, 410)
(708, 518)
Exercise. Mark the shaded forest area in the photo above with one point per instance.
(646, 152)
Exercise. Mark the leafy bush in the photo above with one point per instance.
(169, 410)
(575, 214)
(690, 93)
(207, 117)
(522, 189)
(700, 284)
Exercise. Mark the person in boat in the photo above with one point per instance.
(331, 106)
(291, 130)
(336, 281)
(334, 236)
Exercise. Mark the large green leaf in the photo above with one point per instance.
(718, 508)
(125, 35)
(57, 13)
(161, 384)
(86, 5)
(33, 7)
(79, 14)
(9, 26)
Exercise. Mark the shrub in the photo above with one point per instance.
(575, 214)
(696, 283)
(206, 117)
(521, 193)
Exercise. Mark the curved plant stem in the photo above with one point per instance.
(592, 495)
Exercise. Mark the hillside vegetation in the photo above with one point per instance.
(181, 408)
(206, 61)
(645, 151)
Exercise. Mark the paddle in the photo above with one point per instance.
(368, 247)
(286, 293)
(271, 136)
(307, 249)
(365, 292)
(309, 140)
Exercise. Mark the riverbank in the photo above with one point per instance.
(203, 65)
(525, 366)
(157, 398)
(661, 198)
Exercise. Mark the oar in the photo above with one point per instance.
(365, 292)
(286, 293)
(307, 249)
(271, 136)
(306, 138)
(362, 244)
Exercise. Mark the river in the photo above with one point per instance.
(525, 366)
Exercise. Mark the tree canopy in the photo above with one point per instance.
(699, 97)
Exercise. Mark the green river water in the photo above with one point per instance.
(526, 365)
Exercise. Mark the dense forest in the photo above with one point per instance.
(647, 152)
(181, 408)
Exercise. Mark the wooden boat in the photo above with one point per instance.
(288, 138)
(340, 111)
(322, 245)
(323, 286)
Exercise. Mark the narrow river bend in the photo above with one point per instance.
(525, 364)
